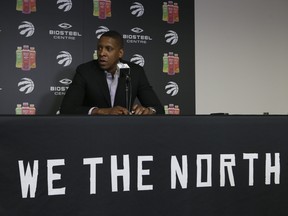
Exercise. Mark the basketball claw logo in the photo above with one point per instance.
(64, 58)
(138, 59)
(102, 8)
(171, 37)
(26, 85)
(101, 30)
(172, 88)
(65, 5)
(137, 9)
(26, 29)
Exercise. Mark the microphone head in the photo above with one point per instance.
(121, 65)
(124, 69)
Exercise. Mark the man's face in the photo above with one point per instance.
(109, 52)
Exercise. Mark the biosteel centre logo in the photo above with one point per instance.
(101, 30)
(138, 59)
(65, 32)
(26, 29)
(170, 12)
(64, 58)
(171, 37)
(137, 9)
(136, 37)
(171, 64)
(26, 85)
(172, 88)
(26, 6)
(102, 8)
(61, 90)
(26, 58)
(65, 5)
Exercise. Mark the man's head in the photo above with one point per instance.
(110, 50)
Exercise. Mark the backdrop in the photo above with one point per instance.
(43, 42)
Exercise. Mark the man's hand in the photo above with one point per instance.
(117, 110)
(140, 110)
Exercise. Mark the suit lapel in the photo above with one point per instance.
(120, 92)
(102, 83)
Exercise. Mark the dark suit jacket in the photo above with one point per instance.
(89, 89)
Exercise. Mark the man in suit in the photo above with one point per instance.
(100, 87)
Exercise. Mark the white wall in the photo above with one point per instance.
(241, 56)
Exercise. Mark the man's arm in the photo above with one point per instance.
(73, 100)
(147, 95)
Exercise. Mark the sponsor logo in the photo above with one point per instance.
(65, 25)
(137, 9)
(172, 109)
(26, 29)
(171, 64)
(65, 81)
(171, 37)
(172, 88)
(138, 59)
(26, 85)
(61, 90)
(26, 6)
(102, 8)
(64, 33)
(25, 109)
(64, 58)
(137, 38)
(101, 30)
(65, 5)
(26, 58)
(170, 12)
(137, 30)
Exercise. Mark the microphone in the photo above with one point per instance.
(124, 69)
(125, 72)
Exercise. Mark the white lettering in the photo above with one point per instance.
(92, 162)
(208, 182)
(28, 179)
(142, 172)
(269, 169)
(181, 173)
(251, 157)
(54, 176)
(125, 173)
(227, 161)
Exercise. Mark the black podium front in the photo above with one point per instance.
(155, 165)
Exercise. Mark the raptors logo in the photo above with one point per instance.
(26, 85)
(26, 29)
(137, 9)
(65, 5)
(64, 58)
(172, 88)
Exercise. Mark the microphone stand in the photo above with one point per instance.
(128, 91)
(125, 71)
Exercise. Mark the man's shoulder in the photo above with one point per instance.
(88, 68)
(133, 65)
(88, 65)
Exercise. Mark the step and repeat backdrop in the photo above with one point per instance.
(42, 43)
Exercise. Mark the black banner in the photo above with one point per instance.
(232, 165)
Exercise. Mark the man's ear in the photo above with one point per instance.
(121, 53)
